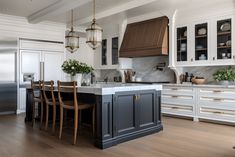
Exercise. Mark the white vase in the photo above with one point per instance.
(78, 78)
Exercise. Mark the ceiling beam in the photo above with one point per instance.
(60, 7)
(115, 10)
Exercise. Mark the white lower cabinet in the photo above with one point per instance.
(22, 100)
(199, 102)
(216, 104)
(178, 101)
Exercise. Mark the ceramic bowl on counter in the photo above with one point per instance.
(198, 80)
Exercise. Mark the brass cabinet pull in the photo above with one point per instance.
(174, 88)
(234, 57)
(136, 97)
(213, 58)
(218, 99)
(217, 91)
(174, 96)
(217, 112)
(175, 107)
(191, 59)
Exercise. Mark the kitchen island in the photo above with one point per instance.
(123, 111)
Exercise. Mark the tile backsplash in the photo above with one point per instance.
(206, 72)
(146, 69)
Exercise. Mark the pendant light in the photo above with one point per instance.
(71, 38)
(94, 32)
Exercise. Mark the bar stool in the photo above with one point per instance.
(50, 100)
(36, 87)
(70, 87)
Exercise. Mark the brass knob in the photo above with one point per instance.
(234, 57)
(213, 58)
(191, 59)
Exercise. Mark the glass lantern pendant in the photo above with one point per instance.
(94, 32)
(71, 38)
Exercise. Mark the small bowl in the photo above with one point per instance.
(198, 81)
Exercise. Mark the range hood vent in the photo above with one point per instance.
(146, 38)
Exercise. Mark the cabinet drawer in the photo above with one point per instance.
(177, 109)
(217, 93)
(217, 114)
(177, 90)
(217, 102)
(180, 99)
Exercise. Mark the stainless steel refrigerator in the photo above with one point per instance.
(8, 85)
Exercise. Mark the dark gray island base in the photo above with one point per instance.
(123, 113)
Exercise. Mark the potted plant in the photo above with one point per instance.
(225, 76)
(75, 69)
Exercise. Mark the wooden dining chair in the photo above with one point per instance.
(36, 87)
(50, 100)
(70, 87)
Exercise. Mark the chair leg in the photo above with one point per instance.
(47, 116)
(93, 121)
(41, 116)
(61, 121)
(54, 118)
(75, 126)
(33, 114)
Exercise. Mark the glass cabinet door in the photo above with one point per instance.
(224, 39)
(104, 52)
(201, 42)
(182, 44)
(115, 51)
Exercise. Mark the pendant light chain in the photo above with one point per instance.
(72, 19)
(94, 10)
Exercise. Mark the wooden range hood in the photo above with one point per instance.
(146, 38)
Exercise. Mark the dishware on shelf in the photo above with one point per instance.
(202, 31)
(225, 27)
(199, 47)
(221, 44)
(185, 33)
(229, 55)
(183, 47)
(223, 54)
(202, 57)
(228, 43)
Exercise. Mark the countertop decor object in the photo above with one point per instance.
(198, 80)
(225, 76)
(94, 32)
(75, 69)
(71, 38)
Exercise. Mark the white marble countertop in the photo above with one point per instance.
(112, 88)
(203, 85)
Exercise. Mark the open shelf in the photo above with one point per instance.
(201, 36)
(224, 36)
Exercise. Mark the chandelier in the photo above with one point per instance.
(94, 32)
(71, 38)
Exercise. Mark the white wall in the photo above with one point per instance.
(84, 54)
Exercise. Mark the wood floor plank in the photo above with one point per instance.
(180, 138)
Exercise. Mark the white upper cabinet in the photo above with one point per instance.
(107, 55)
(205, 42)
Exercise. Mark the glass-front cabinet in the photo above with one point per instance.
(224, 39)
(206, 43)
(201, 42)
(182, 44)
(115, 53)
(104, 52)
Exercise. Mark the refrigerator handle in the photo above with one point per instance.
(41, 70)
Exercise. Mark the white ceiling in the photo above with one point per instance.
(23, 7)
(26, 8)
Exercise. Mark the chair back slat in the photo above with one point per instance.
(48, 90)
(36, 87)
(68, 87)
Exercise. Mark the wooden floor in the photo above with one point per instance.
(180, 138)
